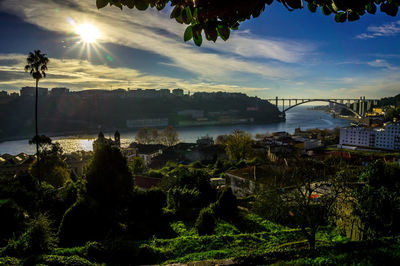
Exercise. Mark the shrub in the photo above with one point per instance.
(205, 223)
(55, 260)
(12, 219)
(85, 220)
(37, 239)
(185, 202)
(226, 205)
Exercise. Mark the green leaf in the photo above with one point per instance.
(142, 4)
(188, 34)
(390, 8)
(101, 3)
(325, 10)
(130, 3)
(371, 8)
(353, 16)
(311, 6)
(175, 12)
(160, 5)
(341, 17)
(223, 32)
(197, 38)
(187, 15)
(211, 33)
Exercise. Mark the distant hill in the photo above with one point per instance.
(390, 101)
(89, 112)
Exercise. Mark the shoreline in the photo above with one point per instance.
(88, 134)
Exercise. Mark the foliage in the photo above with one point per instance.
(143, 215)
(205, 223)
(56, 260)
(108, 176)
(181, 229)
(377, 202)
(137, 165)
(37, 239)
(9, 261)
(12, 220)
(238, 145)
(218, 18)
(147, 136)
(307, 203)
(37, 64)
(85, 220)
(168, 136)
(226, 205)
(53, 169)
(393, 114)
(190, 178)
(184, 202)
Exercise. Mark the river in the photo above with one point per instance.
(296, 117)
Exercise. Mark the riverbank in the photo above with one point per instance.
(295, 118)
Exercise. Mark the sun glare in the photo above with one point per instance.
(87, 32)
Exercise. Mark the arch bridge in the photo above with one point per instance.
(359, 107)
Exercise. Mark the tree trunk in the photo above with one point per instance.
(36, 131)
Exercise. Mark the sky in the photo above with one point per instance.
(295, 54)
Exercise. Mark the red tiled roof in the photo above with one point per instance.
(145, 182)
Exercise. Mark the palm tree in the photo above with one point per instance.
(37, 65)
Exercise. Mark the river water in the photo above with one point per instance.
(296, 117)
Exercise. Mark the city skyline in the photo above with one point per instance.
(301, 55)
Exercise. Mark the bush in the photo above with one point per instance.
(85, 220)
(23, 189)
(37, 239)
(55, 260)
(226, 205)
(185, 202)
(12, 220)
(205, 223)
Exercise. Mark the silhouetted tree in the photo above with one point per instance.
(108, 176)
(218, 18)
(37, 65)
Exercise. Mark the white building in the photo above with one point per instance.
(389, 137)
(357, 136)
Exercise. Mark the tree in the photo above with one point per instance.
(238, 145)
(218, 18)
(169, 136)
(144, 136)
(377, 201)
(137, 165)
(55, 170)
(108, 176)
(37, 65)
(307, 201)
(393, 114)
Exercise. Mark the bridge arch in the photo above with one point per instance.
(323, 100)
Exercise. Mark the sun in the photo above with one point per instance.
(87, 32)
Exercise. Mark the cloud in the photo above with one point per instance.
(390, 29)
(155, 32)
(82, 74)
(379, 63)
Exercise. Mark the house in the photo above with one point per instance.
(147, 151)
(249, 180)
